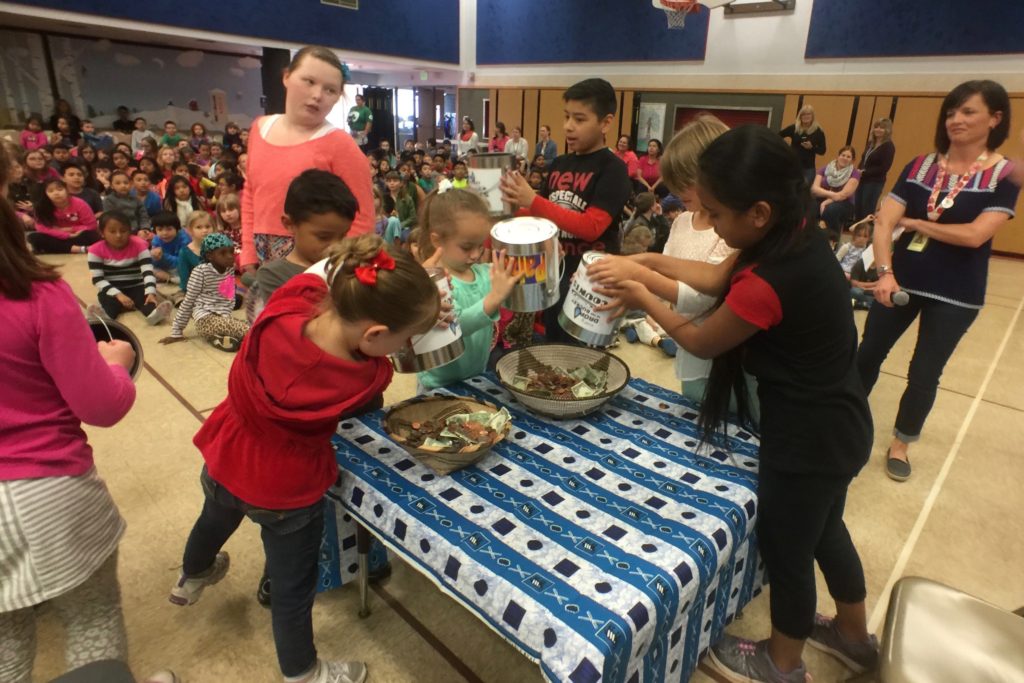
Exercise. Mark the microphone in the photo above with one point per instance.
(899, 298)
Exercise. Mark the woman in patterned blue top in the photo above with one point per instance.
(950, 203)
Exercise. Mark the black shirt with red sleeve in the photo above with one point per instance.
(814, 410)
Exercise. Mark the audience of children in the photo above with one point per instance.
(63, 223)
(168, 240)
(121, 200)
(122, 271)
(862, 278)
(198, 227)
(210, 298)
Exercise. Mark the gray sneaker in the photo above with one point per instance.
(188, 589)
(858, 657)
(744, 661)
(341, 672)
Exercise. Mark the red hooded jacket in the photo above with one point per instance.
(269, 441)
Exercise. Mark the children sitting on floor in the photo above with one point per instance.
(851, 259)
(122, 271)
(166, 245)
(199, 225)
(120, 199)
(210, 298)
(64, 224)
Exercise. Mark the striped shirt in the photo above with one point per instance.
(116, 269)
(209, 292)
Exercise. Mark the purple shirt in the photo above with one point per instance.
(54, 380)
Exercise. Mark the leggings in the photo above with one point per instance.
(214, 326)
(44, 243)
(113, 308)
(941, 328)
(800, 521)
(93, 627)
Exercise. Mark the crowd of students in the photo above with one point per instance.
(756, 304)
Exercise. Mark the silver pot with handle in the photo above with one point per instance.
(439, 346)
(485, 173)
(533, 243)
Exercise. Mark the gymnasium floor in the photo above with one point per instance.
(957, 520)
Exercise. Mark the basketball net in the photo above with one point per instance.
(676, 11)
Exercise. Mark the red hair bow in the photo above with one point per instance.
(368, 274)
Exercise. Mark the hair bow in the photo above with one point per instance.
(444, 186)
(367, 274)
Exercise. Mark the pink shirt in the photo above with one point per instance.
(54, 380)
(629, 158)
(272, 168)
(74, 217)
(497, 144)
(31, 141)
(649, 171)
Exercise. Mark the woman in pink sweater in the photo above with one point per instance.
(64, 223)
(59, 527)
(284, 145)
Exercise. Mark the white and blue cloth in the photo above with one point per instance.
(606, 548)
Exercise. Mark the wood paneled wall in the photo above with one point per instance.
(846, 119)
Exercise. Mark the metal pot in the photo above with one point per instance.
(533, 243)
(437, 347)
(485, 173)
(109, 330)
(578, 316)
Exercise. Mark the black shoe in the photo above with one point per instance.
(898, 470)
(263, 591)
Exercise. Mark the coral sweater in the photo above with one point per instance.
(272, 168)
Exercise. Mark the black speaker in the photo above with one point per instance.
(275, 61)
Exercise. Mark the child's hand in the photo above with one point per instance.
(503, 275)
(172, 340)
(125, 301)
(117, 352)
(625, 295)
(516, 190)
(157, 252)
(614, 269)
(151, 299)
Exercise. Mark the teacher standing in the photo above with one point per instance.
(282, 146)
(807, 139)
(950, 203)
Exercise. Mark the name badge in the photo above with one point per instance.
(918, 243)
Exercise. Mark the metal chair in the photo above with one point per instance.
(937, 634)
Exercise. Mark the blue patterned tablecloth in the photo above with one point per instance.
(605, 548)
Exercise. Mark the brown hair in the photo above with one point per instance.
(19, 267)
(863, 228)
(886, 125)
(317, 52)
(228, 201)
(438, 215)
(847, 148)
(679, 167)
(400, 296)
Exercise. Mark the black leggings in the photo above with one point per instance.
(113, 308)
(800, 521)
(44, 243)
(941, 328)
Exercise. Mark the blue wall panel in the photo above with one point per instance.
(907, 28)
(419, 30)
(551, 31)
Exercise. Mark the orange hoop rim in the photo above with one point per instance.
(680, 5)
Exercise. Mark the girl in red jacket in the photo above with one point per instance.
(317, 351)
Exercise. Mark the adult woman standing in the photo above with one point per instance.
(545, 145)
(833, 190)
(648, 172)
(468, 139)
(951, 203)
(624, 150)
(808, 139)
(282, 146)
(874, 167)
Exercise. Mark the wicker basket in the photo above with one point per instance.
(536, 357)
(397, 419)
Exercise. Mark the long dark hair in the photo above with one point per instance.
(46, 212)
(19, 267)
(740, 168)
(169, 198)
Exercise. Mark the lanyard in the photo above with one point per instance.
(940, 181)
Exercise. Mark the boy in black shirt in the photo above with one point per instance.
(585, 189)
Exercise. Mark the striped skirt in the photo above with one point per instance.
(54, 534)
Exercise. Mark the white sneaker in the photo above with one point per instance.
(340, 672)
(187, 591)
(160, 313)
(165, 676)
(646, 333)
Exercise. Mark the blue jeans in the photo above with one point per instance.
(836, 215)
(291, 542)
(862, 297)
(941, 328)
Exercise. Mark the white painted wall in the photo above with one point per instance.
(755, 52)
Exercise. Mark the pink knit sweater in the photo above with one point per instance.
(54, 380)
(271, 168)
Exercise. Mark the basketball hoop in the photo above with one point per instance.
(676, 10)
